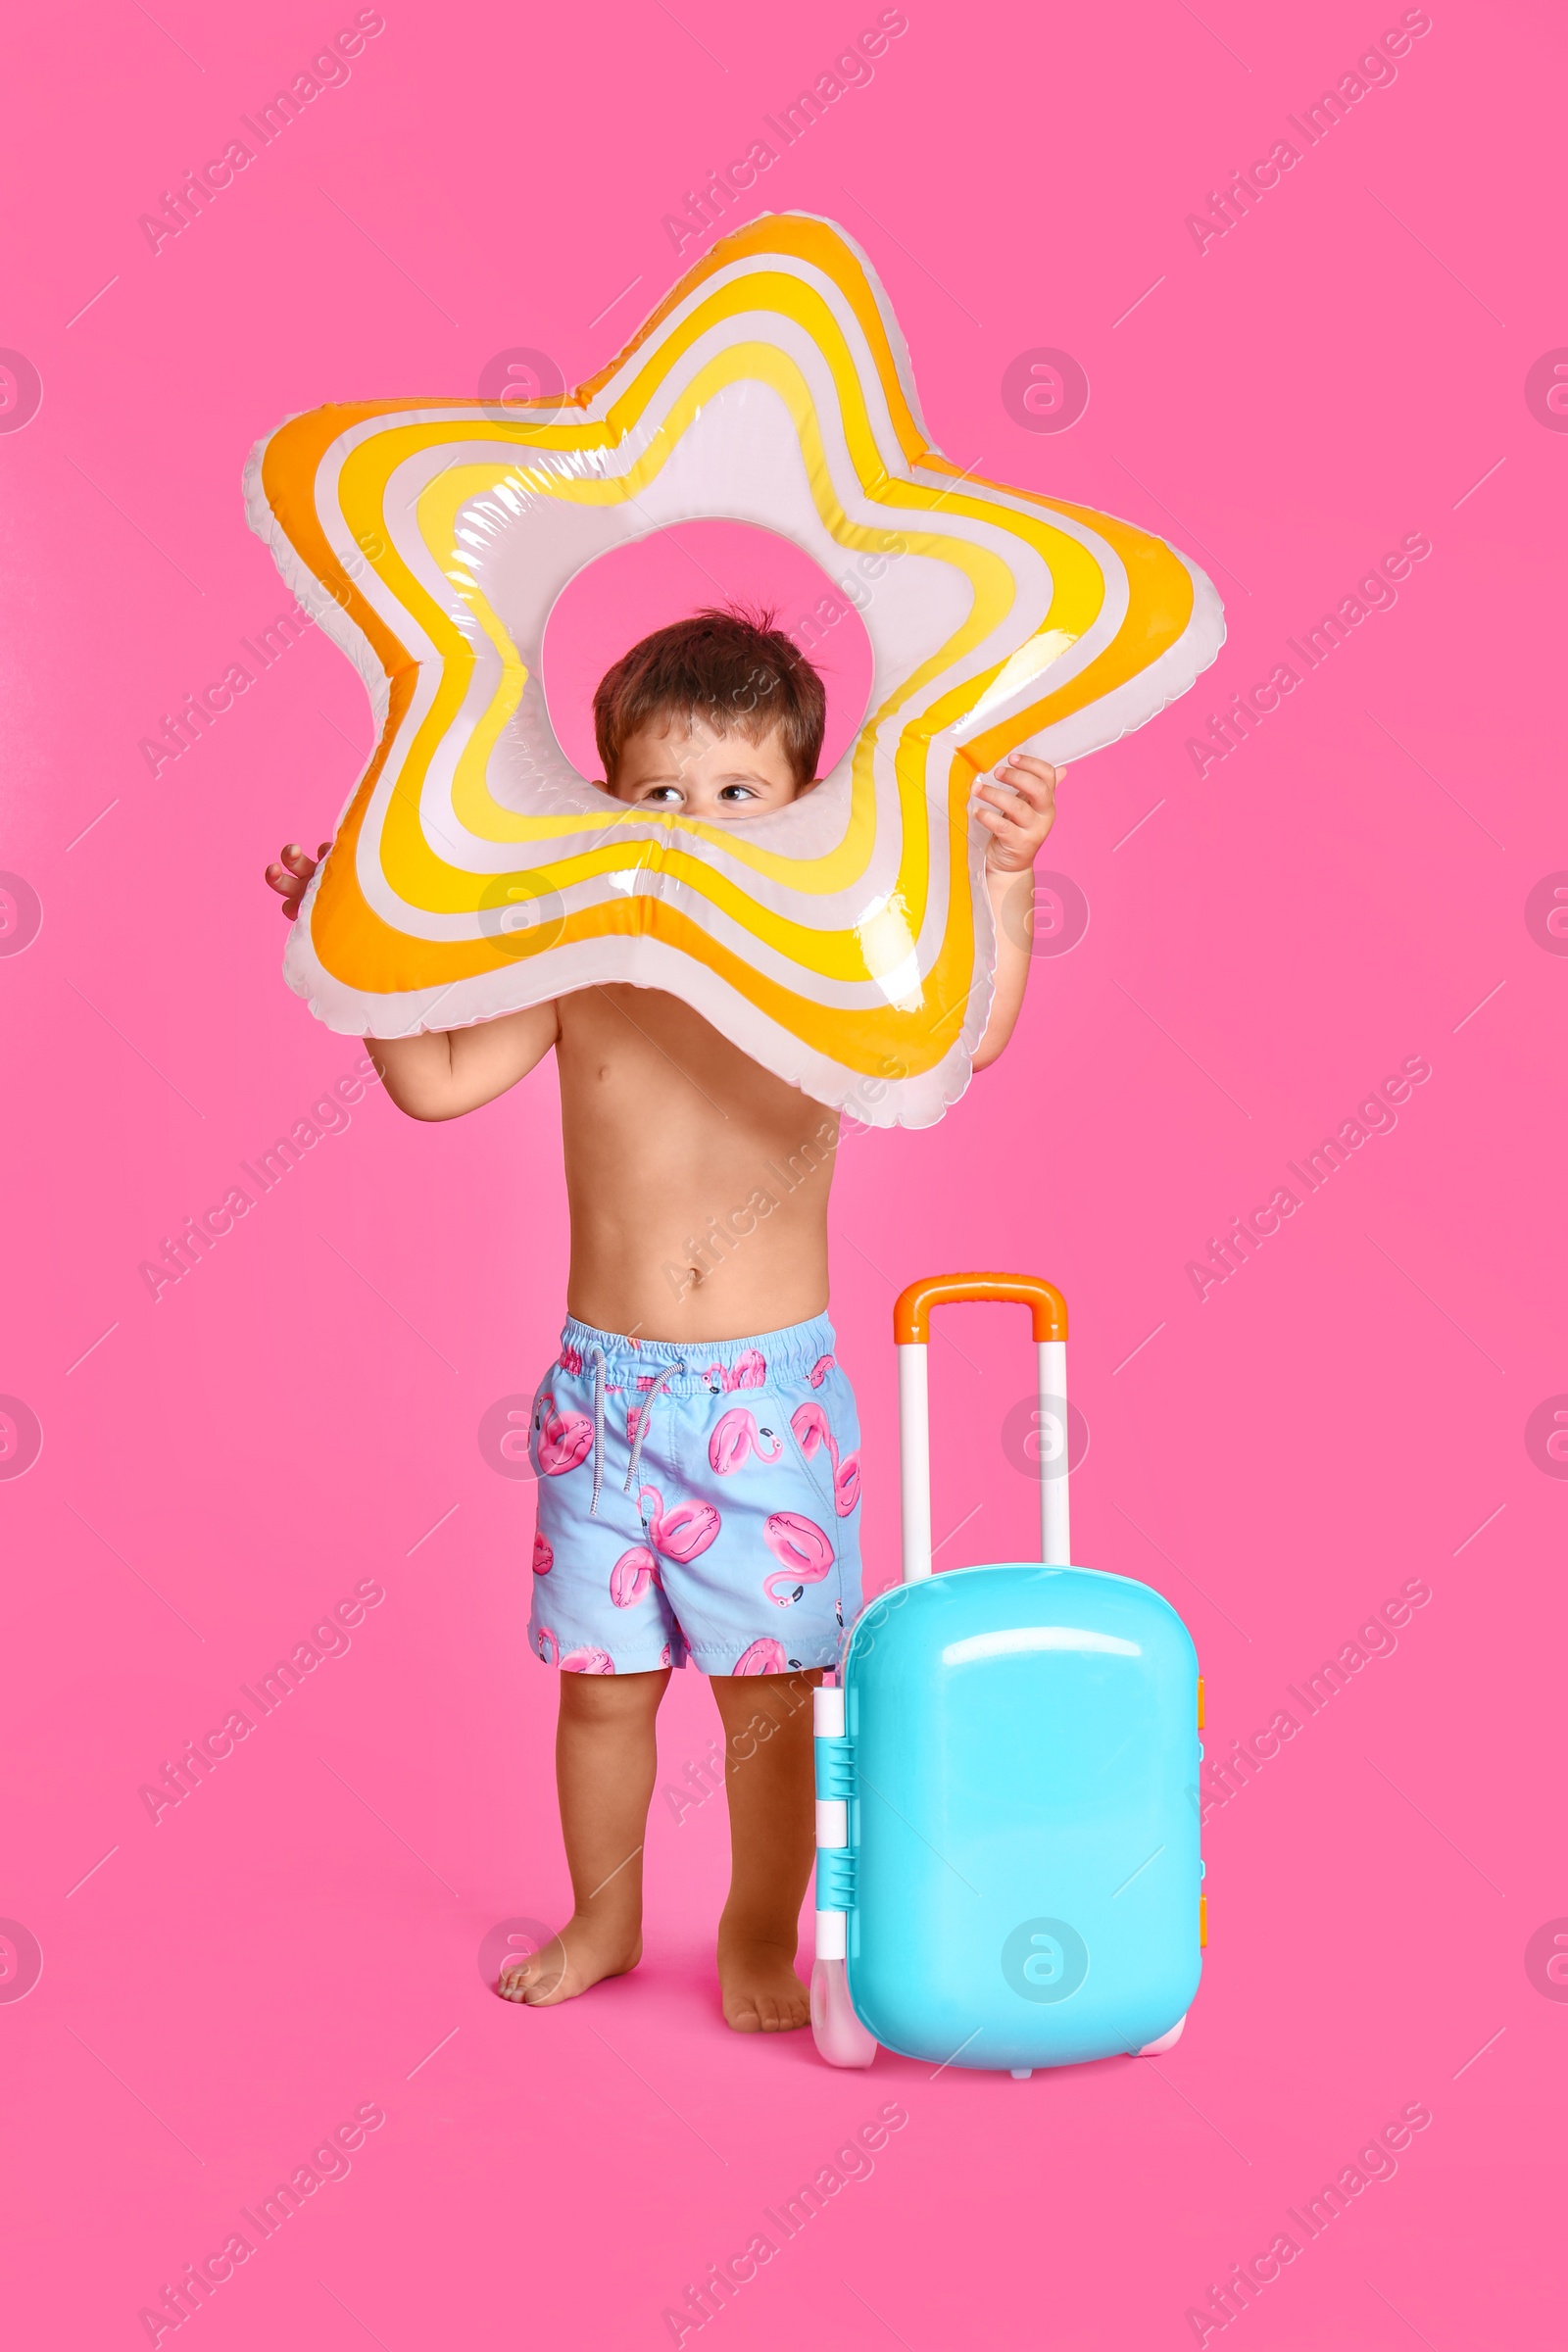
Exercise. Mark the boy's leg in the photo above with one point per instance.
(773, 1820)
(606, 1757)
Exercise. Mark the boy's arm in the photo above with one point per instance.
(1018, 820)
(444, 1072)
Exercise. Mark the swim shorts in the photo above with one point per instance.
(696, 1502)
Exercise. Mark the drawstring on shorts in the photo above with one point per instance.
(598, 1428)
(643, 1410)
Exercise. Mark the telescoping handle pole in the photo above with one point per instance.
(911, 1329)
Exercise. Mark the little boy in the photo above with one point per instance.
(695, 1442)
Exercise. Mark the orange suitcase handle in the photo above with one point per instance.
(911, 1312)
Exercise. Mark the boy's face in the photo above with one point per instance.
(688, 767)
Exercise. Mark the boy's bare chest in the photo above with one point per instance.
(640, 1071)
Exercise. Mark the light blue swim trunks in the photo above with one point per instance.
(696, 1503)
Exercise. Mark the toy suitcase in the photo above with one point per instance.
(1007, 1867)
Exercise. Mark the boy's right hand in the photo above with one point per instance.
(290, 876)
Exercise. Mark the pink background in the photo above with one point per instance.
(300, 1413)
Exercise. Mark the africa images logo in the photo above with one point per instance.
(1045, 1959)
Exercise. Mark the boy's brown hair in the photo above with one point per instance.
(729, 669)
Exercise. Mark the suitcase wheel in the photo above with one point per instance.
(1166, 2041)
(838, 2033)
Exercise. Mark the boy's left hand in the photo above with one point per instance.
(1017, 819)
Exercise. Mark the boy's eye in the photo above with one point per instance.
(663, 792)
(737, 791)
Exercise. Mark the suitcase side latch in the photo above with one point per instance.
(835, 1786)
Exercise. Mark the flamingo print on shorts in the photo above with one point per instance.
(805, 1551)
(735, 1437)
(635, 1573)
(681, 1532)
(564, 1438)
(748, 1371)
(811, 1426)
(544, 1558)
(762, 1657)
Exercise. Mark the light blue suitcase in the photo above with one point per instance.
(1007, 1867)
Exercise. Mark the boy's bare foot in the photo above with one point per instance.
(582, 1953)
(760, 1992)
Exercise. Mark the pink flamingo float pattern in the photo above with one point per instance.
(748, 1371)
(635, 1573)
(736, 1437)
(681, 1532)
(763, 1657)
(805, 1551)
(576, 1661)
(811, 1426)
(564, 1438)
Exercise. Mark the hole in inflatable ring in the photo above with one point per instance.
(645, 584)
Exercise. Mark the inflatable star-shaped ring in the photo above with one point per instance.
(845, 942)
